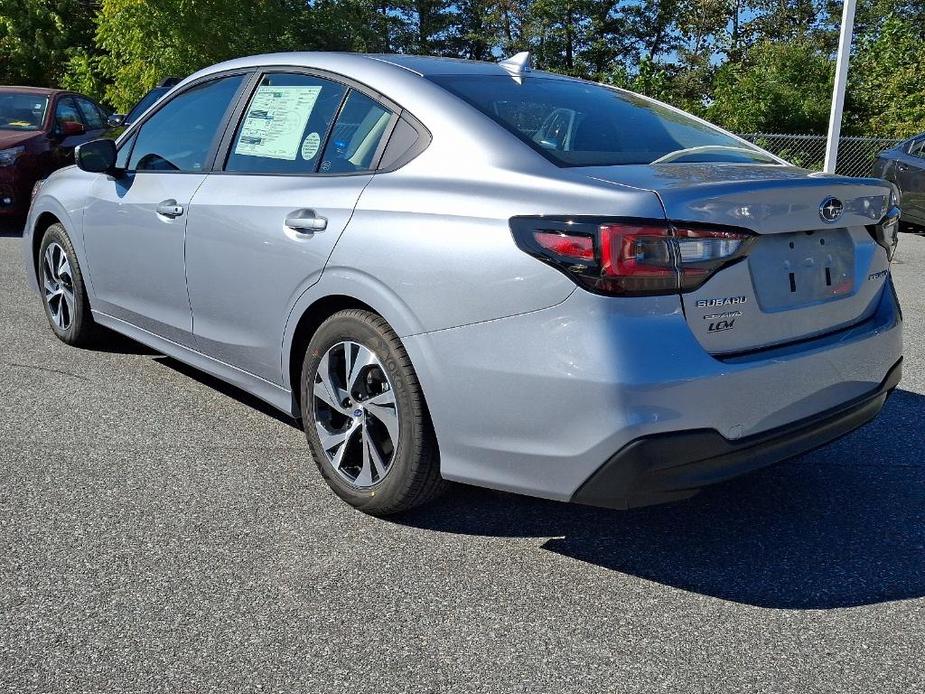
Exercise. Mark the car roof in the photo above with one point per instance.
(420, 65)
(429, 65)
(44, 91)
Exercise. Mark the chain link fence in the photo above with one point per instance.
(856, 155)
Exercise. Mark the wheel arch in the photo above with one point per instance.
(44, 220)
(339, 288)
(308, 323)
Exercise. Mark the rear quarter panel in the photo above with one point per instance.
(440, 244)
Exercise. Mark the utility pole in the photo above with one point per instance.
(841, 82)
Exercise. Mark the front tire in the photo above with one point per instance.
(365, 418)
(62, 285)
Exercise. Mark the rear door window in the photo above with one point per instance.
(285, 125)
(357, 134)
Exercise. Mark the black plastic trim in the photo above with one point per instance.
(672, 466)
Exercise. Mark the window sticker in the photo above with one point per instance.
(310, 146)
(275, 121)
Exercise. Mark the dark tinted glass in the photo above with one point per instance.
(145, 102)
(356, 135)
(285, 125)
(917, 148)
(578, 123)
(66, 112)
(20, 111)
(92, 116)
(179, 136)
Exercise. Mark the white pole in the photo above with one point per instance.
(841, 80)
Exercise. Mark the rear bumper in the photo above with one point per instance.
(671, 466)
(536, 403)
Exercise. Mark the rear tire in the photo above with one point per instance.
(361, 396)
(63, 290)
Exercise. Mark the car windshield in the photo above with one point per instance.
(22, 111)
(145, 102)
(576, 123)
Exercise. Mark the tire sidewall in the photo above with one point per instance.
(57, 234)
(410, 436)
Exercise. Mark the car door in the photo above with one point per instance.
(135, 222)
(261, 231)
(68, 130)
(910, 177)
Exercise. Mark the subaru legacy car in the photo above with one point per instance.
(39, 129)
(482, 273)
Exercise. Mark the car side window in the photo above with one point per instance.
(91, 114)
(285, 125)
(181, 134)
(917, 148)
(356, 137)
(66, 112)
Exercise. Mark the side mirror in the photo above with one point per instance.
(98, 156)
(116, 120)
(69, 128)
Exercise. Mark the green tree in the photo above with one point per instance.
(778, 87)
(886, 80)
(143, 41)
(38, 38)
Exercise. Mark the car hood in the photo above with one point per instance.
(765, 198)
(12, 138)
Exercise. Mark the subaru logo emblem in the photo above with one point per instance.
(831, 209)
(357, 412)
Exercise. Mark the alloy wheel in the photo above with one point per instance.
(58, 285)
(355, 414)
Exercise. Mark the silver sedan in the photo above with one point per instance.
(480, 272)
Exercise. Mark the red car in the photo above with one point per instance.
(39, 129)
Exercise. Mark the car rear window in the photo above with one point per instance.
(576, 123)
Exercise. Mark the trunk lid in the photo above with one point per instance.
(804, 274)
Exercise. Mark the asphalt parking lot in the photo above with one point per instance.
(163, 532)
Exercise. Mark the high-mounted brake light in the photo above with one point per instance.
(630, 257)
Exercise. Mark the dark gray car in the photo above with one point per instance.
(904, 165)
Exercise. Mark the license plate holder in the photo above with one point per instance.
(803, 268)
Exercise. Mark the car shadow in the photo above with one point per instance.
(839, 527)
(842, 526)
(227, 389)
(11, 227)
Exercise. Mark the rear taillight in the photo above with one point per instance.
(630, 257)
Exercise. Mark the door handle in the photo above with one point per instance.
(306, 221)
(169, 208)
